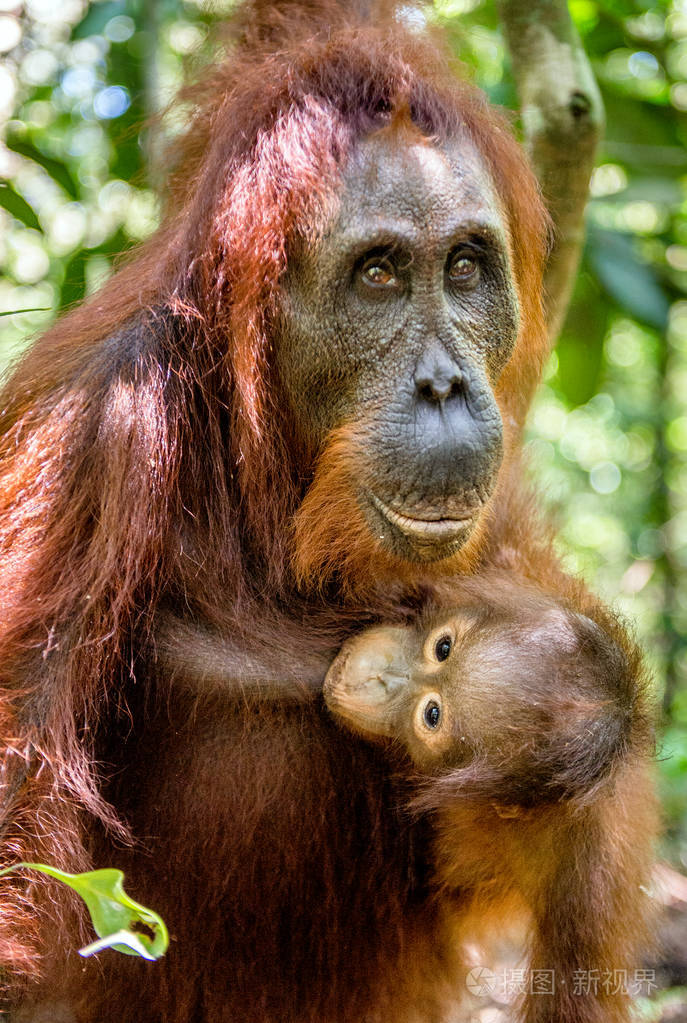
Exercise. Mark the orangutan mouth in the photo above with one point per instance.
(430, 530)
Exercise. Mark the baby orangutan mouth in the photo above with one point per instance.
(368, 676)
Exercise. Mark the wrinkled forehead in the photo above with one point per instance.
(430, 187)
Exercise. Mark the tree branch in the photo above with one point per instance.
(563, 120)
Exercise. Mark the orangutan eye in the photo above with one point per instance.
(463, 267)
(442, 648)
(431, 715)
(379, 272)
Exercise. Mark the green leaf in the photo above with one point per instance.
(666, 190)
(97, 18)
(18, 207)
(119, 922)
(32, 309)
(642, 135)
(631, 282)
(116, 941)
(580, 345)
(74, 284)
(57, 171)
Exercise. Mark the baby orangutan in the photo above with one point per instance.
(527, 728)
(537, 698)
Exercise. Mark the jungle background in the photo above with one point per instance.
(79, 162)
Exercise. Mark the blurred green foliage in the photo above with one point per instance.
(608, 434)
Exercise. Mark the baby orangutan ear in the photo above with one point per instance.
(368, 680)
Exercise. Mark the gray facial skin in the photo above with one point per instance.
(397, 324)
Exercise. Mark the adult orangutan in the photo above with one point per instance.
(294, 412)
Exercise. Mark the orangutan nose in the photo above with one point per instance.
(437, 377)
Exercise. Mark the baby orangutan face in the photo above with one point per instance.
(527, 684)
(400, 682)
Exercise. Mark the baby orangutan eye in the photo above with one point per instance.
(443, 647)
(431, 714)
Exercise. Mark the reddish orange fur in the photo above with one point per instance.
(572, 869)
